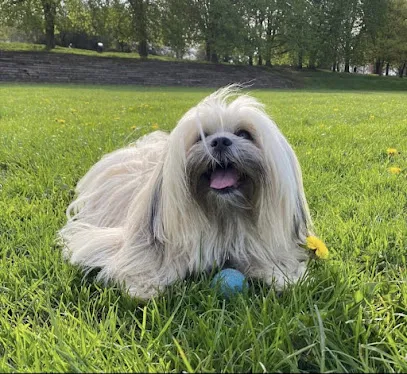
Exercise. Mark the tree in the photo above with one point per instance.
(120, 23)
(389, 45)
(140, 11)
(176, 24)
(27, 15)
(50, 10)
(351, 26)
(249, 34)
(298, 22)
(23, 19)
(218, 24)
(263, 28)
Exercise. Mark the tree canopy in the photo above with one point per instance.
(310, 33)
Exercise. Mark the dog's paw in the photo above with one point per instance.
(144, 291)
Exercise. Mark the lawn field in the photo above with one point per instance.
(350, 315)
(29, 47)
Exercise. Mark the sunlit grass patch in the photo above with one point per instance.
(348, 316)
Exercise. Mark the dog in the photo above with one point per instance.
(224, 187)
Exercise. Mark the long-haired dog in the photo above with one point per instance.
(224, 187)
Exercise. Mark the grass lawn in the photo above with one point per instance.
(323, 79)
(350, 315)
(29, 47)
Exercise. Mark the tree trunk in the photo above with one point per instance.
(312, 63)
(139, 8)
(260, 61)
(50, 10)
(387, 69)
(179, 54)
(347, 65)
(378, 67)
(299, 65)
(251, 60)
(401, 69)
(208, 50)
(269, 39)
(334, 67)
(214, 57)
(143, 48)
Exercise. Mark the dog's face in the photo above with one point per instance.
(225, 170)
(227, 159)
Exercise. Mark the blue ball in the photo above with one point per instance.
(230, 281)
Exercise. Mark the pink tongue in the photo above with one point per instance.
(223, 178)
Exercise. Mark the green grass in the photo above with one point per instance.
(349, 316)
(29, 47)
(326, 80)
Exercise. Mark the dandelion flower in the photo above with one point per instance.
(133, 127)
(372, 117)
(318, 246)
(154, 126)
(392, 151)
(60, 121)
(395, 170)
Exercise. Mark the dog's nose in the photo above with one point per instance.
(221, 143)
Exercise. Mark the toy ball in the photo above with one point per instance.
(229, 281)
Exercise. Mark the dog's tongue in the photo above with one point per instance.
(223, 178)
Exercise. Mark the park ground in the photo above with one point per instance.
(348, 316)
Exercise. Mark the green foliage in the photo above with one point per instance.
(119, 22)
(23, 19)
(347, 317)
(176, 24)
(313, 33)
(390, 43)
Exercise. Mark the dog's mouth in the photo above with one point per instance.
(224, 179)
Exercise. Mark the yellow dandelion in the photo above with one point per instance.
(395, 170)
(133, 127)
(154, 126)
(372, 117)
(318, 246)
(392, 151)
(60, 120)
(336, 109)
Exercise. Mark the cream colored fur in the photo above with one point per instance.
(136, 220)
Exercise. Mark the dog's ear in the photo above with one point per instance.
(302, 221)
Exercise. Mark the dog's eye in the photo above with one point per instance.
(244, 134)
(200, 137)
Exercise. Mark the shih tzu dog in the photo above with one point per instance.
(223, 187)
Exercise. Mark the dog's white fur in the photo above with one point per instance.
(136, 219)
